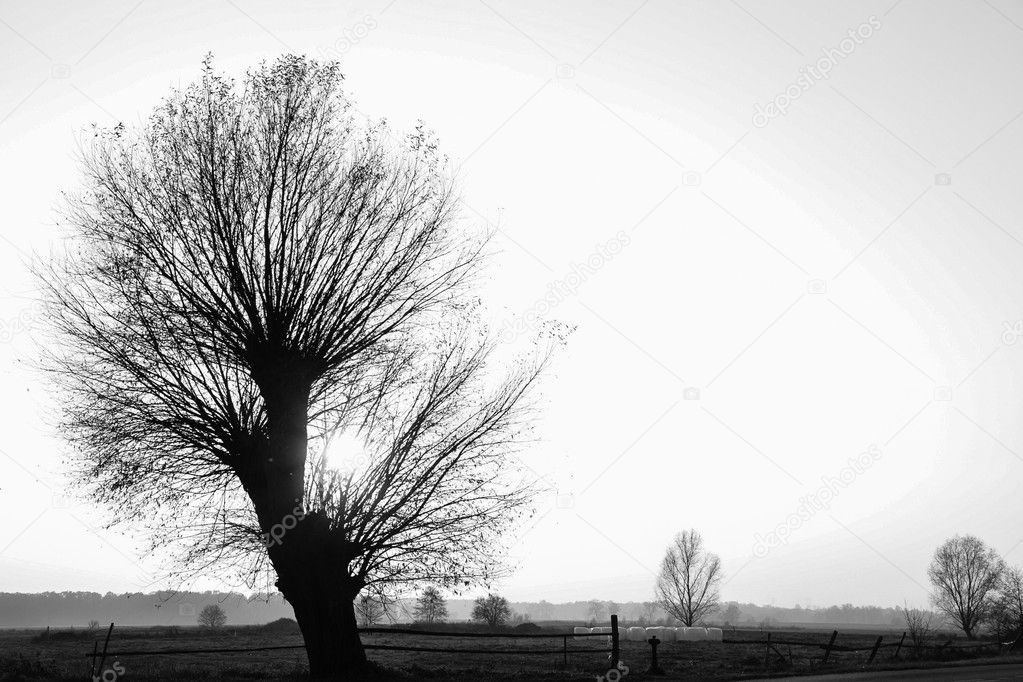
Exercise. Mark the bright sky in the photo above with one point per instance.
(768, 295)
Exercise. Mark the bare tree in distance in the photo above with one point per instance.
(731, 615)
(430, 607)
(249, 276)
(919, 626)
(492, 609)
(688, 583)
(648, 612)
(1007, 614)
(369, 609)
(595, 608)
(212, 616)
(964, 573)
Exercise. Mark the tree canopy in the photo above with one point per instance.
(251, 275)
(689, 580)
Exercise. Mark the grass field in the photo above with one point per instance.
(24, 655)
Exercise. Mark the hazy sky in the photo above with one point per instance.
(801, 322)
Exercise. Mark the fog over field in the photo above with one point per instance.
(77, 609)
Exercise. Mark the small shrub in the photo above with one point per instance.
(283, 626)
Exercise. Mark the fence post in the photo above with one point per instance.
(564, 642)
(831, 643)
(767, 652)
(873, 653)
(654, 668)
(92, 663)
(103, 658)
(899, 648)
(615, 650)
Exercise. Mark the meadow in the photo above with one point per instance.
(61, 655)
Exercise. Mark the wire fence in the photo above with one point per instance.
(924, 650)
(564, 650)
(772, 646)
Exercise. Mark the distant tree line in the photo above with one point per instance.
(64, 609)
(77, 609)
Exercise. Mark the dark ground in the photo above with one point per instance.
(25, 655)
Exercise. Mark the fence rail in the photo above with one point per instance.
(509, 635)
(540, 652)
(564, 650)
(770, 645)
(383, 647)
(614, 636)
(172, 652)
(838, 647)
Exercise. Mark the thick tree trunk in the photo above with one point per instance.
(331, 634)
(312, 576)
(277, 488)
(311, 559)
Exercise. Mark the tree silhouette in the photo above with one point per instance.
(648, 612)
(965, 573)
(369, 609)
(250, 276)
(732, 615)
(212, 616)
(688, 582)
(430, 607)
(492, 609)
(1008, 604)
(919, 625)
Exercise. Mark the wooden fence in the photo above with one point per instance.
(564, 650)
(770, 645)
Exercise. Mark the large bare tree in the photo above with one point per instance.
(689, 580)
(965, 573)
(249, 276)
